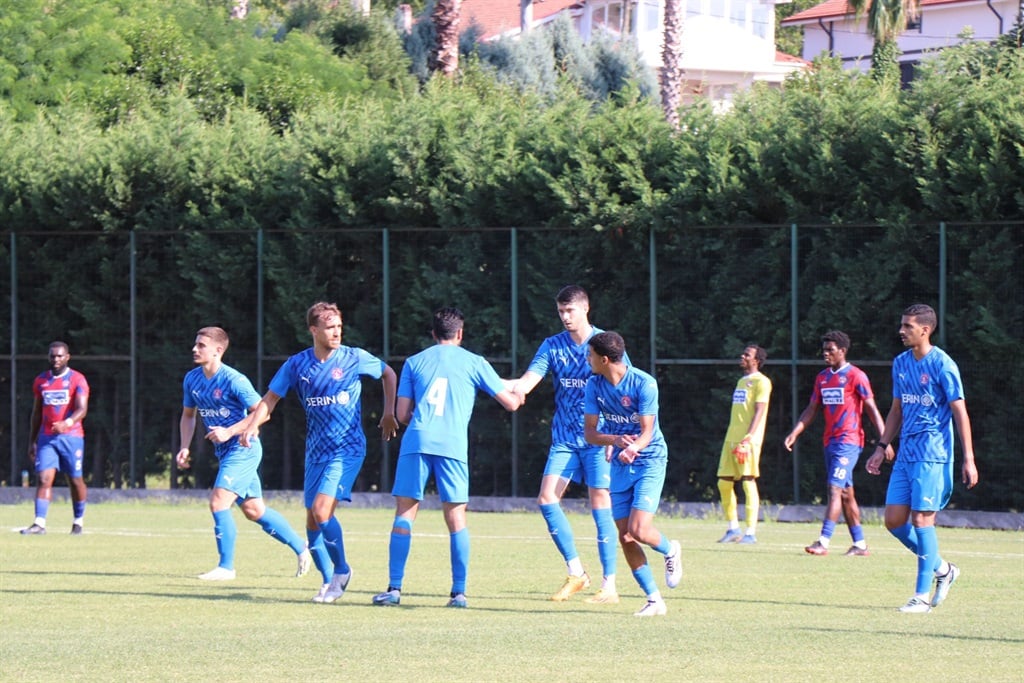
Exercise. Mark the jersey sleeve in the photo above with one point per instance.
(81, 385)
(406, 384)
(487, 377)
(648, 397)
(862, 385)
(187, 400)
(369, 364)
(541, 363)
(762, 390)
(590, 397)
(949, 380)
(245, 391)
(283, 379)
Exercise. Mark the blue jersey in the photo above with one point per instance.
(330, 392)
(221, 400)
(570, 369)
(442, 382)
(621, 407)
(925, 389)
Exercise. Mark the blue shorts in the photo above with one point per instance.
(239, 472)
(450, 475)
(579, 464)
(924, 486)
(334, 478)
(60, 452)
(840, 460)
(637, 486)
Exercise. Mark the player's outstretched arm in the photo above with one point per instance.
(525, 384)
(511, 400)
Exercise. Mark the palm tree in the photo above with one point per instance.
(671, 75)
(887, 19)
(445, 16)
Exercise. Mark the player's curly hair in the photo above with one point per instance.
(609, 344)
(840, 339)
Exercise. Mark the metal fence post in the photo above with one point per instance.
(794, 348)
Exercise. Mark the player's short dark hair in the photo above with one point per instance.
(609, 344)
(217, 334)
(447, 322)
(571, 294)
(319, 310)
(760, 355)
(840, 339)
(924, 314)
(57, 342)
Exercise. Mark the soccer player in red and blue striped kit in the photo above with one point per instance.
(56, 437)
(843, 392)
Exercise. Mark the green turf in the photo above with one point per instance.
(121, 603)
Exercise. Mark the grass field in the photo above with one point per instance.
(120, 603)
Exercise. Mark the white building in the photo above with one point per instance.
(727, 44)
(832, 29)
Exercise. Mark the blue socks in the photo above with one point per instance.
(42, 507)
(459, 547)
(225, 532)
(560, 530)
(645, 578)
(321, 558)
(607, 539)
(276, 526)
(828, 527)
(907, 536)
(857, 532)
(928, 559)
(398, 551)
(664, 546)
(335, 542)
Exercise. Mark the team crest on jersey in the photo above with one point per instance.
(217, 393)
(842, 380)
(337, 373)
(925, 378)
(626, 402)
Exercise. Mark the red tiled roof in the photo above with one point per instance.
(497, 16)
(835, 9)
(783, 58)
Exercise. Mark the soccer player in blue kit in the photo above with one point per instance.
(928, 398)
(222, 396)
(571, 458)
(327, 379)
(435, 399)
(621, 411)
